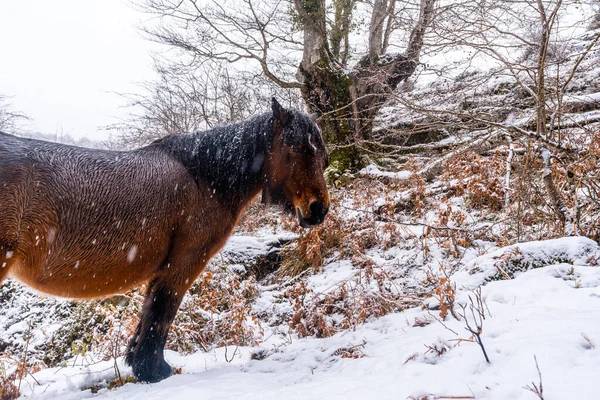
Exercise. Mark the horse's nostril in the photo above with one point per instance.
(317, 210)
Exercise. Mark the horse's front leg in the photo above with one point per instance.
(145, 351)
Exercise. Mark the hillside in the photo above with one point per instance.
(446, 245)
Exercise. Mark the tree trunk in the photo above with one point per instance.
(376, 29)
(417, 36)
(346, 99)
(327, 93)
(341, 29)
(347, 102)
(326, 88)
(595, 24)
(554, 197)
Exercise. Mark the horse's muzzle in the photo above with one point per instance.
(318, 211)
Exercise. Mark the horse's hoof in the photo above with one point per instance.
(152, 375)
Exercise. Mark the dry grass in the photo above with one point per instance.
(370, 293)
(477, 178)
(340, 236)
(309, 251)
(218, 312)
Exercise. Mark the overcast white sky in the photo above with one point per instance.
(62, 61)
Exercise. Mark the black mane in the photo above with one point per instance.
(229, 158)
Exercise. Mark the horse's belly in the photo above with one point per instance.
(91, 269)
(88, 258)
(83, 280)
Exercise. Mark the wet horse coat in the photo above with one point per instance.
(83, 223)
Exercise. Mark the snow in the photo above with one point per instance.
(541, 299)
(584, 117)
(373, 170)
(582, 98)
(550, 312)
(247, 246)
(573, 250)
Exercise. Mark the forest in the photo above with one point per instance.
(459, 258)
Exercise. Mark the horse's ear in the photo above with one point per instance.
(314, 117)
(281, 114)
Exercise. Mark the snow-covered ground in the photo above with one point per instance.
(551, 312)
(539, 299)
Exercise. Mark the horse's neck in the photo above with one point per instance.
(229, 159)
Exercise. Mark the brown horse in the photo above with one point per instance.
(84, 223)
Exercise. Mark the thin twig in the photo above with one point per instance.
(537, 390)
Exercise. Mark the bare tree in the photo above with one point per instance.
(526, 45)
(9, 118)
(184, 99)
(305, 45)
(595, 24)
(515, 94)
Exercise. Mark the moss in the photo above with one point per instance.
(312, 7)
(467, 105)
(504, 88)
(73, 335)
(342, 86)
(518, 264)
(117, 383)
(114, 384)
(341, 160)
(325, 82)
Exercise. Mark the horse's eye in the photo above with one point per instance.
(289, 120)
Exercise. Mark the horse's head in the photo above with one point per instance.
(294, 167)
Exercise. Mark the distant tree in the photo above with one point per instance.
(526, 43)
(532, 55)
(9, 118)
(183, 99)
(310, 45)
(595, 24)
